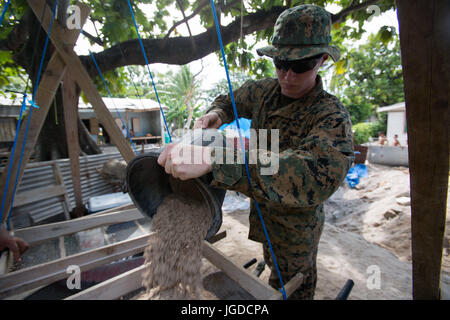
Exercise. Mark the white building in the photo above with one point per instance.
(396, 122)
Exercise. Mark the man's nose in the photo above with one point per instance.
(290, 75)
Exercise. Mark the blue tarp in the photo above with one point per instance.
(355, 173)
(244, 125)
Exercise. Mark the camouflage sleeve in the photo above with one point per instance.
(245, 98)
(305, 175)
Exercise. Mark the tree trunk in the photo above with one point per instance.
(47, 147)
(52, 142)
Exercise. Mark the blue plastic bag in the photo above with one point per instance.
(243, 123)
(355, 173)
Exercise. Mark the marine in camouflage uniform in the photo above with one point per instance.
(315, 151)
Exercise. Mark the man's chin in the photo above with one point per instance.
(289, 92)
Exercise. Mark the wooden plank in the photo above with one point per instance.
(35, 195)
(26, 279)
(44, 96)
(252, 284)
(37, 234)
(113, 288)
(79, 73)
(70, 100)
(93, 124)
(290, 287)
(4, 259)
(217, 237)
(62, 247)
(60, 181)
(425, 43)
(116, 209)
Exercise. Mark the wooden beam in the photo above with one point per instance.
(38, 234)
(425, 43)
(46, 273)
(35, 195)
(217, 237)
(79, 73)
(70, 101)
(289, 287)
(6, 261)
(60, 181)
(252, 284)
(116, 209)
(44, 96)
(113, 288)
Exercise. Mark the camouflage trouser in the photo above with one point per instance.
(292, 260)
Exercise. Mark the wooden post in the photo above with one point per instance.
(425, 43)
(71, 126)
(44, 96)
(79, 73)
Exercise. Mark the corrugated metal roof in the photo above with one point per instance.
(122, 104)
(8, 106)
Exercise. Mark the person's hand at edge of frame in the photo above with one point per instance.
(15, 244)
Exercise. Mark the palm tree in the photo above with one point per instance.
(182, 92)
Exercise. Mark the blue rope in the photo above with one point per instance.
(4, 11)
(148, 68)
(13, 150)
(110, 95)
(283, 291)
(33, 105)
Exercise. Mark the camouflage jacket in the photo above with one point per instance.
(315, 153)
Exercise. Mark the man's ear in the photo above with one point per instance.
(324, 58)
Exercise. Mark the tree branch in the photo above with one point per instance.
(339, 17)
(184, 17)
(193, 14)
(180, 50)
(97, 40)
(203, 4)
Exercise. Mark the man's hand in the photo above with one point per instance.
(209, 120)
(15, 244)
(184, 161)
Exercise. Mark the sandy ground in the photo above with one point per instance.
(379, 210)
(366, 238)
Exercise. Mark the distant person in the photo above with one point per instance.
(100, 136)
(396, 143)
(15, 244)
(124, 131)
(382, 140)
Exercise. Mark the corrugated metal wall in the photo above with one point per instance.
(38, 175)
(92, 184)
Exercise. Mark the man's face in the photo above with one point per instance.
(295, 85)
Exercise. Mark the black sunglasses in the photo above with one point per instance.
(298, 66)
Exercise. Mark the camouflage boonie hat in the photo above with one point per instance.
(301, 32)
